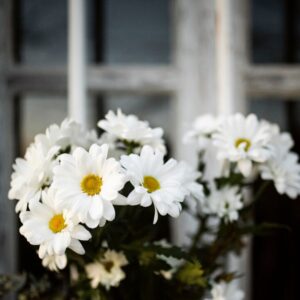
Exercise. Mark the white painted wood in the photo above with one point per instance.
(231, 54)
(77, 94)
(138, 79)
(194, 58)
(232, 19)
(273, 81)
(8, 232)
(268, 82)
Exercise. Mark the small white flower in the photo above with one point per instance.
(194, 190)
(283, 166)
(225, 203)
(87, 183)
(243, 140)
(108, 270)
(69, 134)
(154, 182)
(32, 174)
(52, 229)
(130, 129)
(226, 291)
(55, 262)
(200, 134)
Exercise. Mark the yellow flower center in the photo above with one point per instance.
(246, 142)
(151, 184)
(91, 184)
(57, 223)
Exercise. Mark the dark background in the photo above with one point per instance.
(139, 31)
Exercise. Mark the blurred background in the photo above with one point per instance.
(140, 32)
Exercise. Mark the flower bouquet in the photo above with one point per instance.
(95, 208)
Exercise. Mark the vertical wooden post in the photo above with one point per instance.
(232, 21)
(210, 56)
(231, 54)
(8, 233)
(194, 59)
(77, 92)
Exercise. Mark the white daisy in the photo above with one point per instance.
(194, 190)
(32, 174)
(129, 129)
(283, 166)
(225, 203)
(202, 129)
(52, 229)
(108, 270)
(69, 134)
(154, 182)
(55, 262)
(87, 183)
(226, 291)
(243, 140)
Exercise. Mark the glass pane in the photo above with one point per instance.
(137, 31)
(37, 113)
(44, 31)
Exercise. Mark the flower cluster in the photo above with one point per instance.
(245, 148)
(93, 206)
(70, 183)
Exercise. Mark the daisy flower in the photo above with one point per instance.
(69, 134)
(194, 190)
(283, 166)
(108, 270)
(54, 262)
(202, 129)
(32, 174)
(226, 291)
(87, 183)
(129, 129)
(243, 140)
(225, 203)
(52, 229)
(155, 182)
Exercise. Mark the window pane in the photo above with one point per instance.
(137, 31)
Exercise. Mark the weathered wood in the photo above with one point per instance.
(107, 79)
(79, 108)
(194, 58)
(8, 232)
(232, 18)
(271, 81)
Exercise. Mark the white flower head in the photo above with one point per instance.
(52, 229)
(69, 134)
(87, 183)
(194, 190)
(202, 129)
(55, 262)
(108, 270)
(243, 140)
(32, 174)
(225, 203)
(130, 129)
(226, 291)
(283, 166)
(154, 182)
